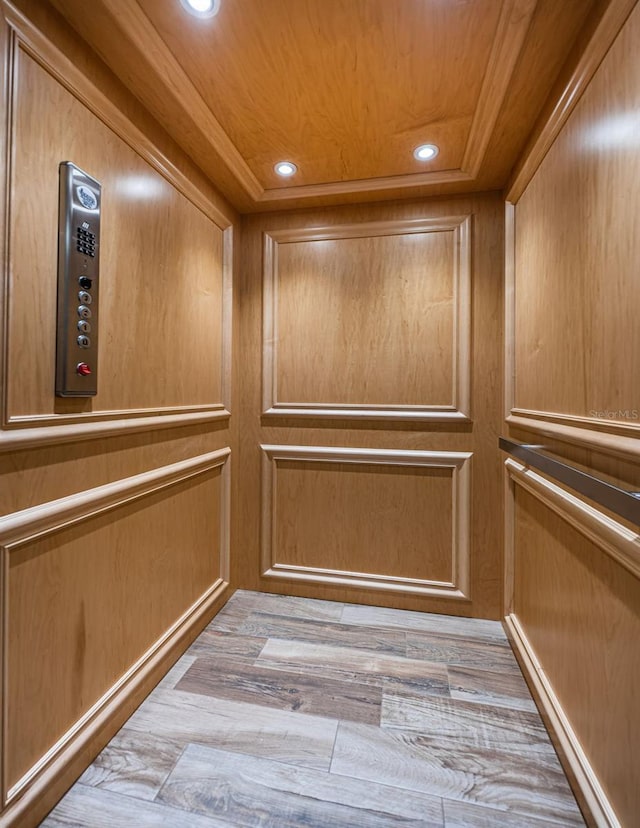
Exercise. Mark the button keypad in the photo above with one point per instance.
(86, 242)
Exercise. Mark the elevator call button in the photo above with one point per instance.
(83, 369)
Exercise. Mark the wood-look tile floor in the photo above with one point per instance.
(295, 712)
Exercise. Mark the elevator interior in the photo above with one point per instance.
(301, 380)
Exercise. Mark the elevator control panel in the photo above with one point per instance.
(78, 283)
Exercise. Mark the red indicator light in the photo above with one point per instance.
(83, 369)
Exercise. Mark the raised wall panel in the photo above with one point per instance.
(388, 520)
(165, 267)
(369, 320)
(317, 374)
(576, 623)
(86, 597)
(571, 369)
(576, 346)
(115, 511)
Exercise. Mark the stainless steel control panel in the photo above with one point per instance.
(78, 283)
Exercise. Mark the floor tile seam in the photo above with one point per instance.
(98, 791)
(455, 665)
(537, 727)
(464, 798)
(334, 644)
(493, 753)
(545, 821)
(497, 636)
(400, 651)
(367, 653)
(358, 676)
(246, 684)
(480, 638)
(338, 622)
(538, 752)
(168, 776)
(327, 774)
(370, 704)
(162, 784)
(243, 703)
(387, 783)
(472, 638)
(529, 717)
(201, 654)
(260, 757)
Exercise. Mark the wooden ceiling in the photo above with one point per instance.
(346, 89)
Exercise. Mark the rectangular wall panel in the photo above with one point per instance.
(375, 328)
(368, 320)
(576, 345)
(86, 592)
(390, 519)
(163, 264)
(577, 609)
(115, 510)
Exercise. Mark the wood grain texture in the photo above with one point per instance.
(46, 34)
(84, 640)
(459, 723)
(436, 647)
(280, 429)
(237, 789)
(393, 295)
(134, 764)
(574, 356)
(243, 762)
(450, 625)
(599, 32)
(421, 763)
(143, 254)
(85, 806)
(360, 517)
(349, 120)
(239, 727)
(579, 610)
(250, 95)
(346, 662)
(466, 815)
(575, 245)
(126, 567)
(501, 689)
(323, 632)
(315, 696)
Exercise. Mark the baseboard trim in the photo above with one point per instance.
(587, 789)
(75, 751)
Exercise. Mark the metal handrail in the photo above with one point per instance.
(624, 503)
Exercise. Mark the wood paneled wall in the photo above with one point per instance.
(572, 384)
(114, 510)
(373, 418)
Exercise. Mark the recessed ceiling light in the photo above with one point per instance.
(285, 168)
(202, 8)
(425, 152)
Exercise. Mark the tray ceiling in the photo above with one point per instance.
(345, 89)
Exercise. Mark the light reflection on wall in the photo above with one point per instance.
(620, 131)
(140, 188)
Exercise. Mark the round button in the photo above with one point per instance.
(83, 369)
(85, 282)
(83, 341)
(83, 326)
(84, 297)
(84, 312)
